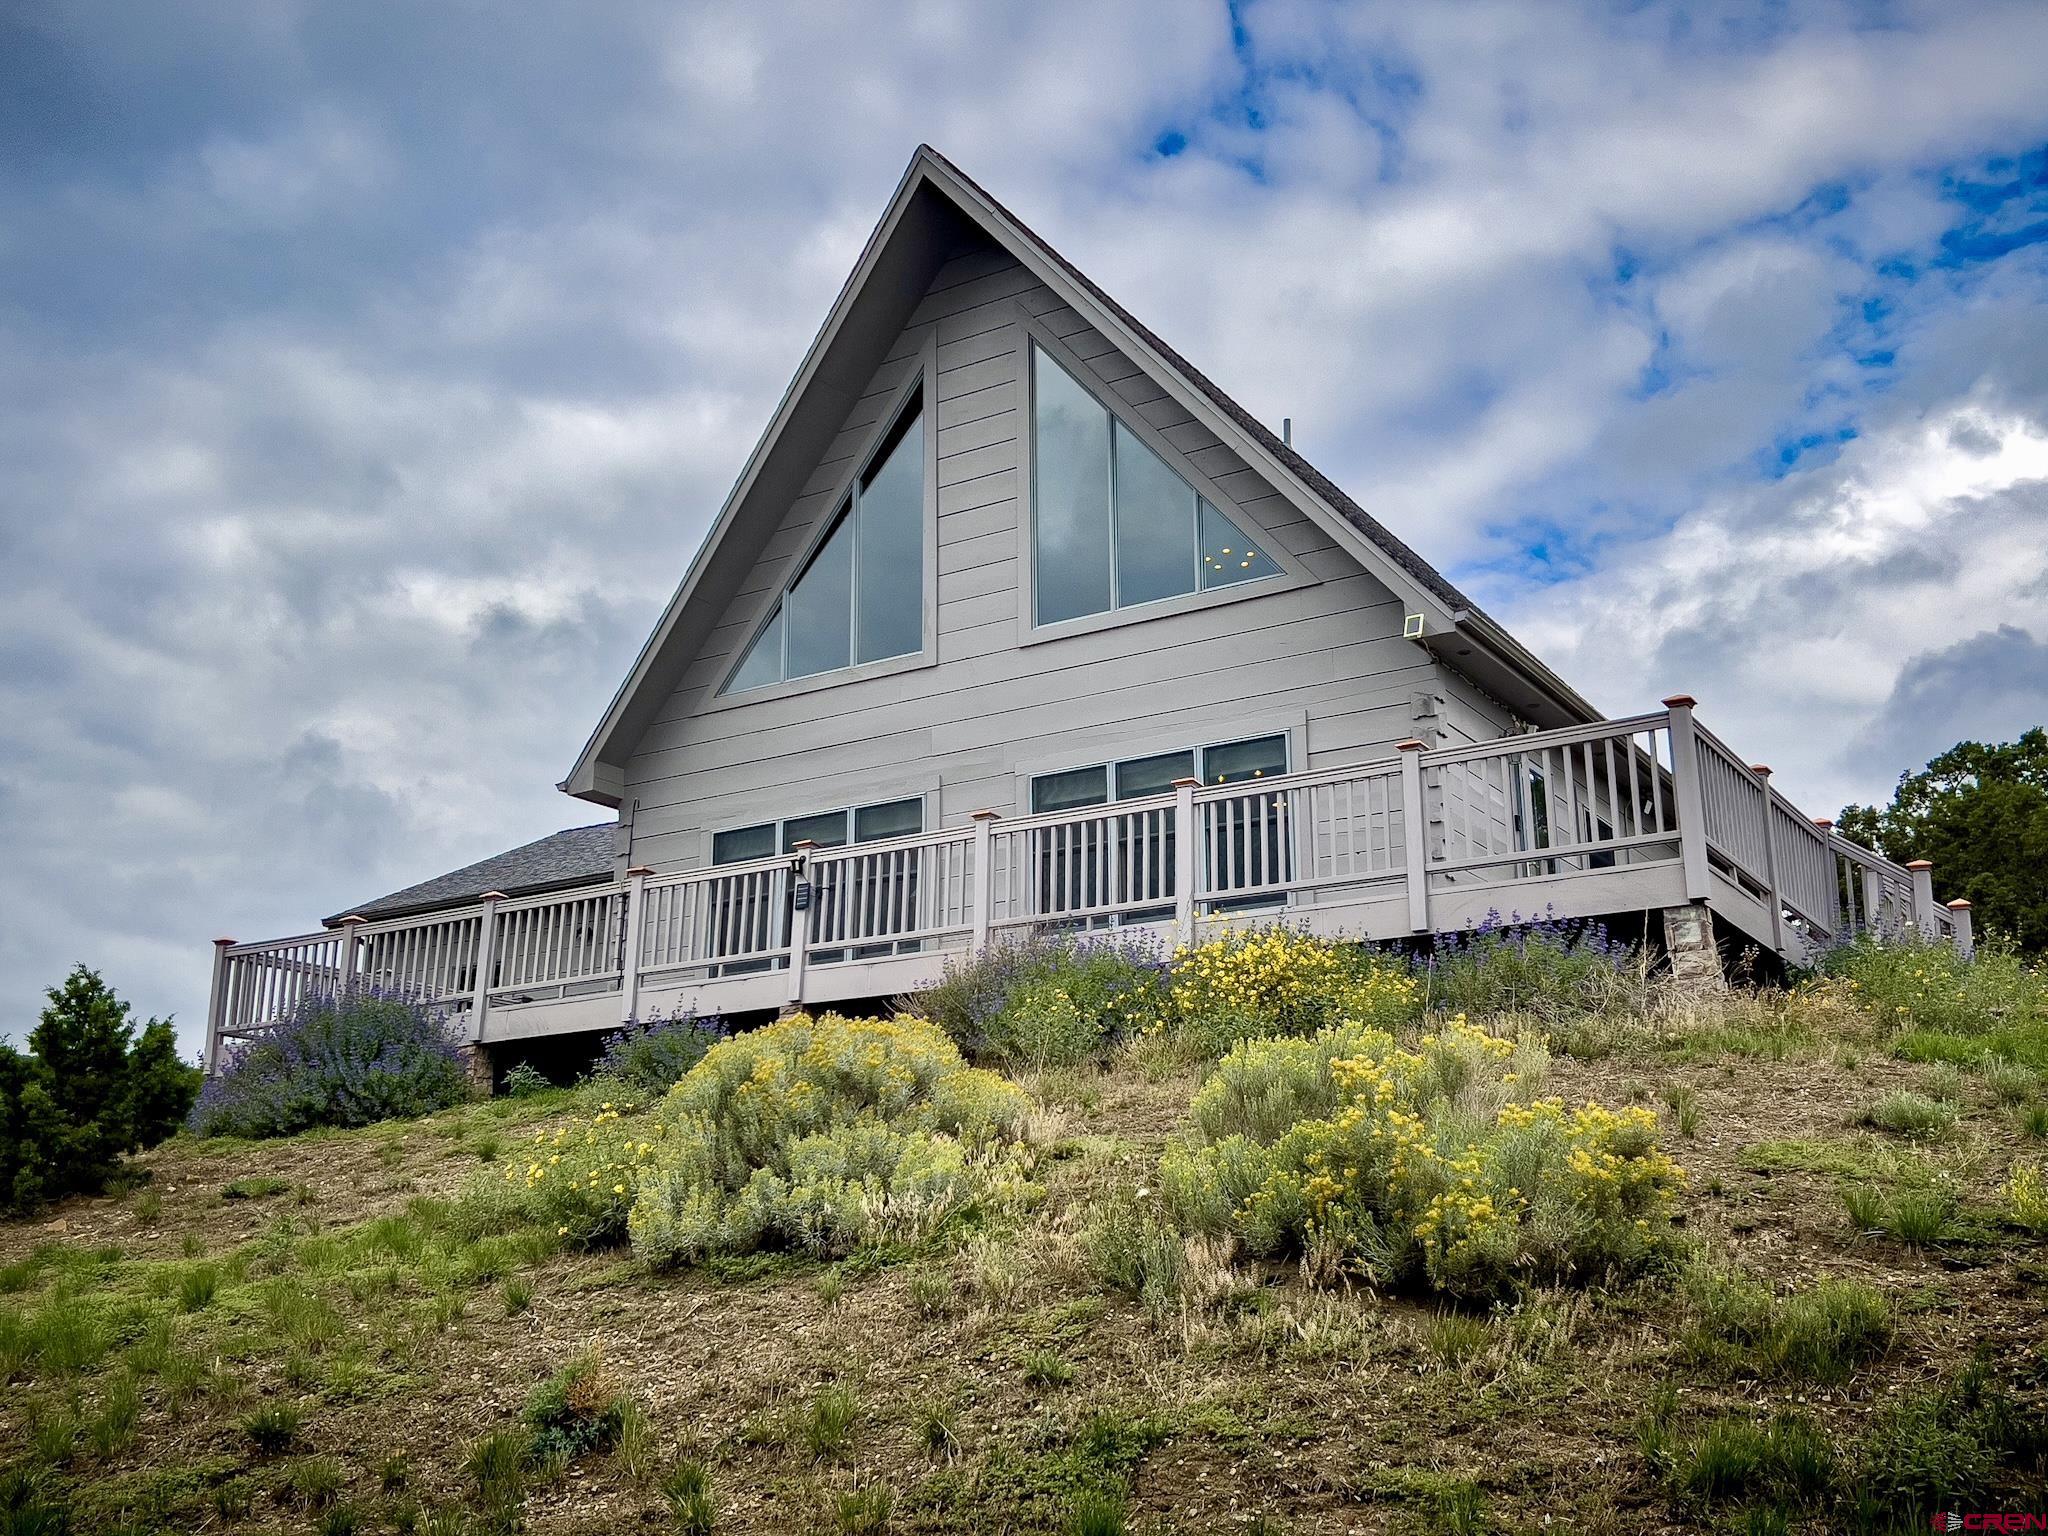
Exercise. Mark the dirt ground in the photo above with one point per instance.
(1308, 1411)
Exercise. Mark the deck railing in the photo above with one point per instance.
(1650, 810)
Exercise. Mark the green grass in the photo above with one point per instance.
(197, 1286)
(1097, 1512)
(1453, 1337)
(826, 1426)
(272, 1427)
(1904, 1113)
(1684, 1103)
(1788, 1459)
(938, 1430)
(1042, 1368)
(686, 1490)
(317, 1481)
(496, 1466)
(1822, 1334)
(864, 1511)
(256, 1187)
(1918, 1216)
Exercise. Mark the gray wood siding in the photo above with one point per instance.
(1324, 659)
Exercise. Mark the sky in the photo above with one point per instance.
(345, 348)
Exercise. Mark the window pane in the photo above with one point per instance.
(736, 847)
(1063, 791)
(1153, 775)
(899, 818)
(819, 610)
(1240, 760)
(1155, 525)
(827, 829)
(1227, 555)
(1070, 470)
(890, 527)
(763, 662)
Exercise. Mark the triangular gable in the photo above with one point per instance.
(933, 208)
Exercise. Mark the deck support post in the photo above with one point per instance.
(1763, 775)
(629, 943)
(217, 1004)
(1959, 916)
(1414, 834)
(1695, 958)
(1685, 791)
(984, 876)
(1923, 897)
(1840, 901)
(1873, 901)
(345, 957)
(799, 924)
(486, 964)
(1187, 856)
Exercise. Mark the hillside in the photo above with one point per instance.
(309, 1333)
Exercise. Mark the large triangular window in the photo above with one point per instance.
(859, 596)
(1113, 524)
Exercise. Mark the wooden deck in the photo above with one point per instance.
(1617, 817)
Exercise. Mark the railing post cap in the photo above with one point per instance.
(803, 845)
(1679, 701)
(1960, 904)
(353, 917)
(984, 815)
(1412, 744)
(1824, 823)
(1187, 783)
(1764, 769)
(223, 943)
(639, 869)
(492, 896)
(1920, 864)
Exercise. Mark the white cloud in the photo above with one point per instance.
(359, 409)
(1793, 611)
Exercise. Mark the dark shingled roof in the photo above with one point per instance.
(576, 856)
(1332, 494)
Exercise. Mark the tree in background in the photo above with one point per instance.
(86, 1093)
(1980, 812)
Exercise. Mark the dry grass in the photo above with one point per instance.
(989, 1381)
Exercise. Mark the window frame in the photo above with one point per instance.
(1284, 732)
(1291, 575)
(1290, 733)
(919, 392)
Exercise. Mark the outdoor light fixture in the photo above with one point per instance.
(1411, 627)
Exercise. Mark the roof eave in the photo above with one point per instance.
(1555, 701)
(601, 779)
(379, 914)
(1030, 250)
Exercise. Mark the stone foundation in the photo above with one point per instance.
(476, 1060)
(1695, 958)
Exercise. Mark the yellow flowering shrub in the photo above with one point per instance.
(824, 1134)
(2026, 1198)
(1280, 981)
(1432, 1165)
(577, 1180)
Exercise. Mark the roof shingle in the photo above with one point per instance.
(574, 856)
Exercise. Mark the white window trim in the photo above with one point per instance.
(1291, 576)
(923, 386)
(925, 790)
(1292, 724)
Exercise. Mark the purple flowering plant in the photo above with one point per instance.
(654, 1053)
(1537, 964)
(337, 1059)
(1112, 979)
